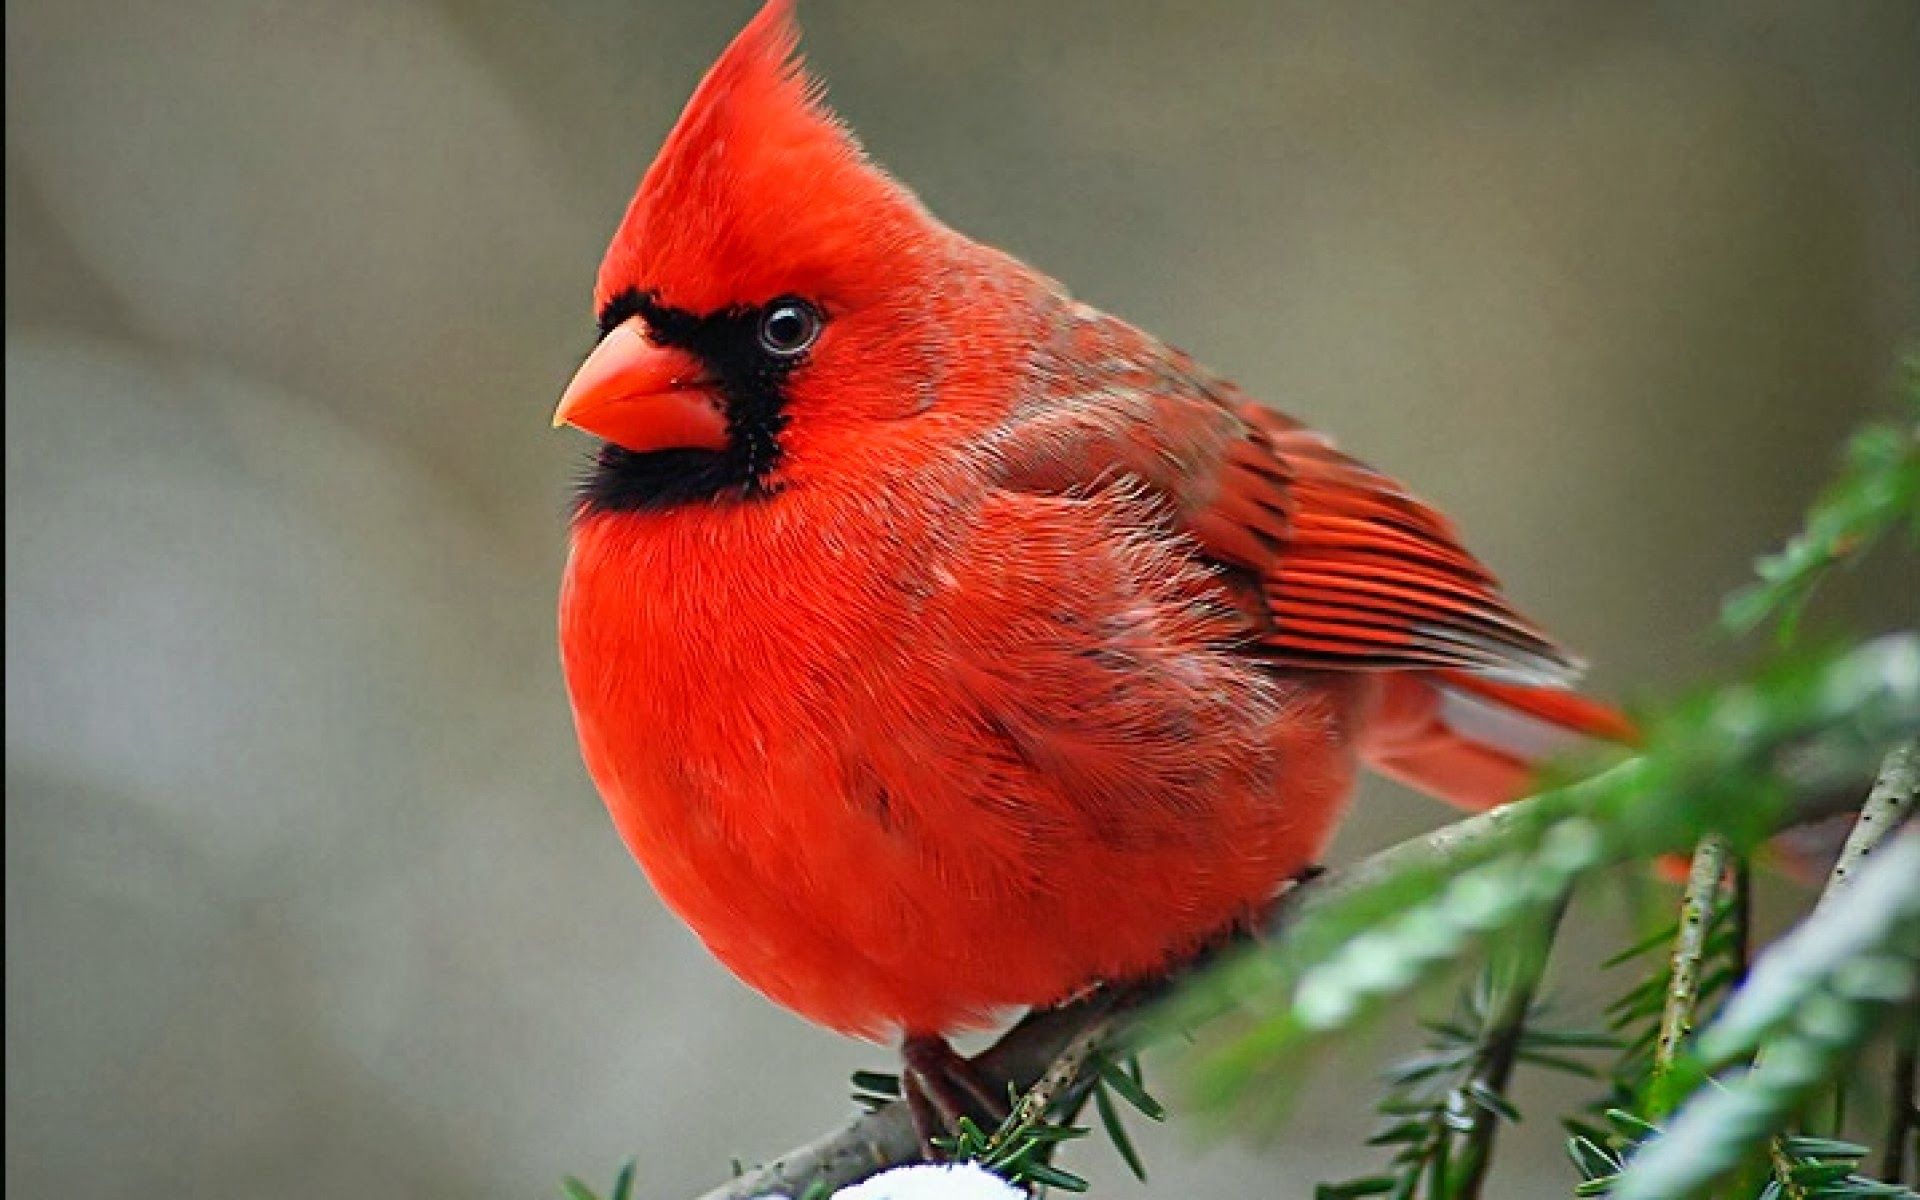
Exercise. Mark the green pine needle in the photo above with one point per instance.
(574, 1189)
(1878, 490)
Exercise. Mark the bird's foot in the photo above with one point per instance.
(941, 1087)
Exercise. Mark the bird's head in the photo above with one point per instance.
(768, 286)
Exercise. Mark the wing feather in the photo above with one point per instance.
(1353, 572)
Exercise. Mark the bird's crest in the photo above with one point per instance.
(758, 190)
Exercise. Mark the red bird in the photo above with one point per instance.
(942, 645)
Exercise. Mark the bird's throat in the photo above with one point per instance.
(620, 480)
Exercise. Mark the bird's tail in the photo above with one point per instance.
(1474, 742)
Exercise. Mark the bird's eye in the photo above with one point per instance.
(788, 328)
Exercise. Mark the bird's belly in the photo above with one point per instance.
(903, 880)
(913, 805)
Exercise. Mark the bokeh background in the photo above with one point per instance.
(306, 893)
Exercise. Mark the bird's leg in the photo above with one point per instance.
(927, 1124)
(941, 1087)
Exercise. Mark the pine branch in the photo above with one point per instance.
(1895, 796)
(1689, 951)
(1442, 1106)
(1814, 998)
(1074, 1065)
(1494, 1069)
(1896, 790)
(1884, 813)
(883, 1138)
(1782, 1166)
(1735, 761)
(1893, 801)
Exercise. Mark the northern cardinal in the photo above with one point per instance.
(943, 646)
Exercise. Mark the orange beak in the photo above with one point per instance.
(643, 397)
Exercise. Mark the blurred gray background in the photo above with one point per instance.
(307, 895)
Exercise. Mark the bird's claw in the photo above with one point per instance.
(941, 1087)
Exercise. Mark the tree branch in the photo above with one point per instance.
(1895, 795)
(1526, 966)
(1689, 948)
(875, 1141)
(1884, 811)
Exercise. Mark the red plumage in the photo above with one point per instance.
(1019, 652)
